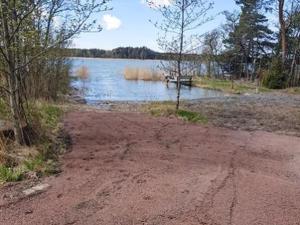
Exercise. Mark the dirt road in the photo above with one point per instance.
(129, 169)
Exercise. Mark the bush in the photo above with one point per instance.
(275, 77)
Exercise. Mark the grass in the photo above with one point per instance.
(142, 74)
(42, 156)
(193, 117)
(295, 90)
(227, 86)
(4, 112)
(49, 115)
(168, 109)
(8, 174)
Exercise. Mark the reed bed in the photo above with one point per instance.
(143, 74)
(82, 73)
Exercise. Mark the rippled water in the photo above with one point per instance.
(107, 83)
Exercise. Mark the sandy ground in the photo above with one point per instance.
(130, 168)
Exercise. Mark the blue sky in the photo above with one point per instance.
(128, 25)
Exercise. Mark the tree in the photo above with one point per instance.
(31, 31)
(180, 18)
(212, 47)
(251, 37)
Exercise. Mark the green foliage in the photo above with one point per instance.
(126, 53)
(8, 174)
(275, 77)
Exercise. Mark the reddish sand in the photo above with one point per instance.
(129, 169)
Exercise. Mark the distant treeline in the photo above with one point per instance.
(122, 52)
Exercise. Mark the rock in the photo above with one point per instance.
(36, 189)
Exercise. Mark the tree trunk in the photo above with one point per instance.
(283, 31)
(14, 104)
(180, 54)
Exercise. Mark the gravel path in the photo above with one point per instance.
(130, 168)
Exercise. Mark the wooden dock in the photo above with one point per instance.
(184, 80)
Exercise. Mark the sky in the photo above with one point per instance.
(128, 25)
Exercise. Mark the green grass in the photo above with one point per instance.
(168, 109)
(8, 174)
(34, 164)
(49, 115)
(193, 117)
(45, 121)
(226, 86)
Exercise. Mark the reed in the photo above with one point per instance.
(82, 73)
(143, 74)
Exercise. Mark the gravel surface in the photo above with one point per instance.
(279, 113)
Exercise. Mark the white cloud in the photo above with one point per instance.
(110, 22)
(157, 3)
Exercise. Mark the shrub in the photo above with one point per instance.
(275, 77)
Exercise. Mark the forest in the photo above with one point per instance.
(121, 53)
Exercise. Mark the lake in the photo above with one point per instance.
(106, 82)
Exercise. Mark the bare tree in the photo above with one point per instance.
(179, 19)
(212, 46)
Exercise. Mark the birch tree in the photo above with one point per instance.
(179, 27)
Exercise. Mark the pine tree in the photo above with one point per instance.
(251, 37)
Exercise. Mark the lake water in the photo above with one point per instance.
(106, 82)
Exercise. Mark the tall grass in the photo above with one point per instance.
(82, 73)
(143, 74)
(3, 149)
